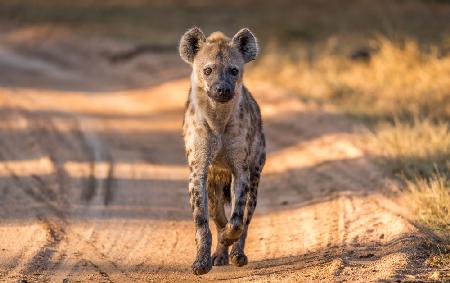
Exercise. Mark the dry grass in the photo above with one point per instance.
(431, 200)
(412, 150)
(419, 153)
(400, 80)
(404, 91)
(431, 197)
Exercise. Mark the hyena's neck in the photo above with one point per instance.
(216, 115)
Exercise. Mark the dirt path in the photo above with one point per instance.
(93, 181)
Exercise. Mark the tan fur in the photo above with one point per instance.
(217, 36)
(224, 142)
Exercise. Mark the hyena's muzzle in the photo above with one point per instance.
(221, 92)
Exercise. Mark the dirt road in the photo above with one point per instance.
(94, 182)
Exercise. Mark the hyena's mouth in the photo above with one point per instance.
(221, 98)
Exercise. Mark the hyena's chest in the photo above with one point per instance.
(232, 146)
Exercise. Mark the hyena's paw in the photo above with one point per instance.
(202, 265)
(238, 257)
(220, 258)
(231, 234)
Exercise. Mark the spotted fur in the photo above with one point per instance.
(224, 143)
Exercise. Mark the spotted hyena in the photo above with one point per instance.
(224, 142)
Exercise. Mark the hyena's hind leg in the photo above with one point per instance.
(237, 254)
(216, 187)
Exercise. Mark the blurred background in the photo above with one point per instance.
(355, 95)
(311, 46)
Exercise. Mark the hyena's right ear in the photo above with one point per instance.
(190, 44)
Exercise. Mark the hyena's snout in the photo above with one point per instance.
(221, 92)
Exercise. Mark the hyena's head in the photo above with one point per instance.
(217, 61)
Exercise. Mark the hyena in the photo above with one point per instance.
(224, 142)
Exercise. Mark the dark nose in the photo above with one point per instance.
(223, 89)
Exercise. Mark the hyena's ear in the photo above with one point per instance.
(190, 44)
(246, 43)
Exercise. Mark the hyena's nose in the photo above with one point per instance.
(223, 89)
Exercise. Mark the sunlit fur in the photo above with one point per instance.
(224, 143)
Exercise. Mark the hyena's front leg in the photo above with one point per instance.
(199, 204)
(217, 212)
(237, 254)
(235, 226)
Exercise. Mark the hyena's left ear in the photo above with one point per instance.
(190, 44)
(246, 43)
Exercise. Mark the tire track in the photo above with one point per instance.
(50, 216)
(42, 261)
(109, 184)
(44, 264)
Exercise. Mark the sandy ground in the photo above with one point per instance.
(94, 181)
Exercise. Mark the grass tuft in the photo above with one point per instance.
(412, 149)
(431, 198)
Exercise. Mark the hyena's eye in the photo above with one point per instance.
(207, 71)
(234, 71)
